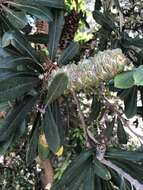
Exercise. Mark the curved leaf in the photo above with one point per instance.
(38, 11)
(57, 87)
(124, 80)
(74, 169)
(69, 53)
(15, 118)
(104, 20)
(51, 131)
(21, 44)
(121, 133)
(32, 150)
(124, 155)
(88, 183)
(48, 3)
(100, 170)
(16, 87)
(55, 29)
(17, 18)
(131, 103)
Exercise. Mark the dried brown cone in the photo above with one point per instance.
(70, 28)
(42, 26)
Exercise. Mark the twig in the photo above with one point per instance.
(81, 116)
(134, 183)
(126, 122)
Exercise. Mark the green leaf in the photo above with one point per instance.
(55, 107)
(16, 87)
(17, 18)
(55, 29)
(74, 169)
(43, 152)
(12, 59)
(124, 80)
(69, 53)
(48, 3)
(104, 20)
(21, 44)
(128, 41)
(32, 150)
(38, 38)
(138, 76)
(57, 87)
(123, 185)
(121, 133)
(88, 183)
(124, 155)
(77, 181)
(131, 103)
(15, 118)
(98, 184)
(6, 144)
(98, 5)
(51, 131)
(40, 12)
(106, 185)
(128, 168)
(109, 128)
(100, 170)
(95, 108)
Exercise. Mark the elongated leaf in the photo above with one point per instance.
(6, 144)
(138, 76)
(38, 11)
(89, 180)
(128, 41)
(98, 5)
(12, 59)
(21, 44)
(123, 185)
(131, 103)
(57, 87)
(129, 169)
(98, 182)
(38, 38)
(106, 185)
(77, 182)
(121, 133)
(101, 171)
(124, 80)
(48, 3)
(95, 108)
(58, 119)
(104, 20)
(69, 53)
(55, 29)
(17, 18)
(51, 131)
(109, 128)
(75, 168)
(124, 155)
(14, 119)
(32, 150)
(16, 86)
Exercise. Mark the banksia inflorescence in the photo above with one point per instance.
(90, 72)
(70, 28)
